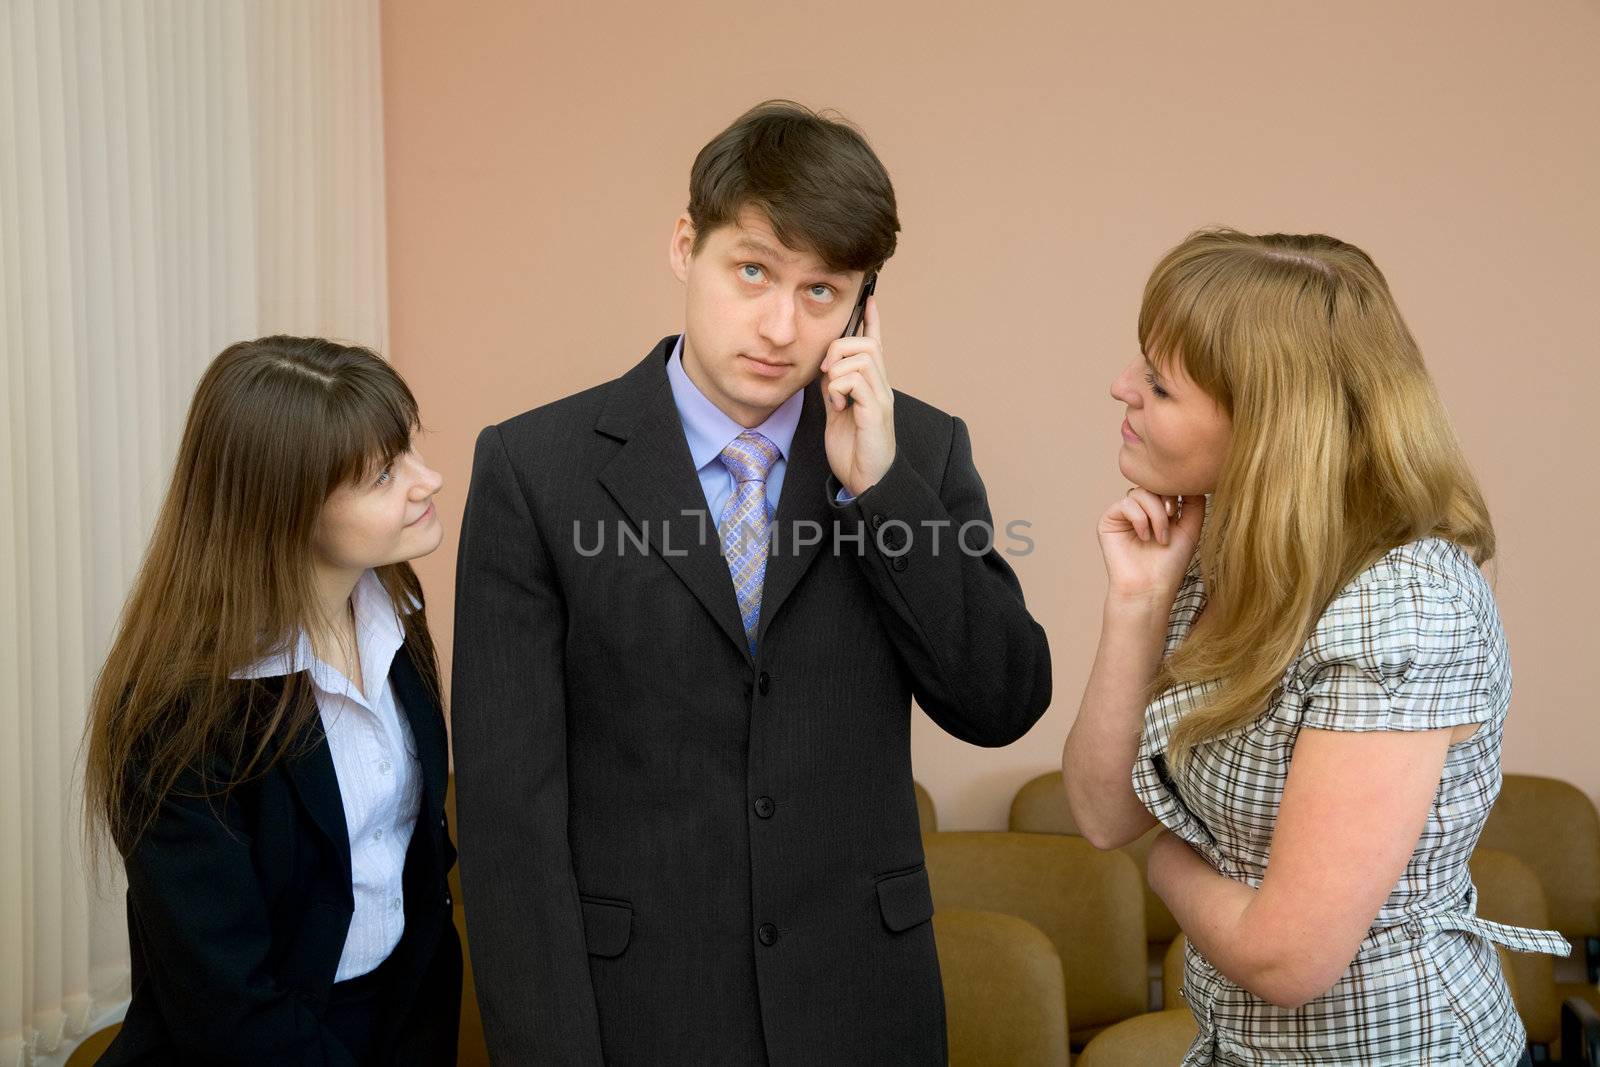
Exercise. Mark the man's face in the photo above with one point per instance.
(759, 315)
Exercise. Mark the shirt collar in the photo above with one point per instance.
(707, 427)
(378, 636)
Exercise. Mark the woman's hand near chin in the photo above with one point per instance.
(1146, 553)
(1146, 550)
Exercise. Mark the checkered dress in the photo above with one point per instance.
(1414, 643)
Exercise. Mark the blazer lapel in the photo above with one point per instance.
(802, 509)
(652, 478)
(310, 770)
(427, 728)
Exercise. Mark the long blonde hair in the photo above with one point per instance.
(1341, 449)
(276, 425)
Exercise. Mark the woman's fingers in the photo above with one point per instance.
(1152, 517)
(1136, 518)
(1155, 510)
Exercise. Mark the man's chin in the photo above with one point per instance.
(769, 392)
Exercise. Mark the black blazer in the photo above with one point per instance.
(675, 852)
(236, 924)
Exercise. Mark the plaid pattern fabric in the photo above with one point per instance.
(746, 526)
(1413, 643)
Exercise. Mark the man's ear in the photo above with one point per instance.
(681, 248)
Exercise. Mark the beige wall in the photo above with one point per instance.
(1045, 156)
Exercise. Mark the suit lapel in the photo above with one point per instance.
(802, 508)
(652, 478)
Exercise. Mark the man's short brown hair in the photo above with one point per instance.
(814, 177)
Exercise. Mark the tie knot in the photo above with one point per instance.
(749, 458)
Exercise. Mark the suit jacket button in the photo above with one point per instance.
(764, 683)
(765, 807)
(768, 934)
(899, 563)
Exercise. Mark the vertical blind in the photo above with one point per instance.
(175, 175)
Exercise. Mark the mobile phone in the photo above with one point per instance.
(858, 314)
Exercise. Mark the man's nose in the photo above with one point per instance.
(777, 323)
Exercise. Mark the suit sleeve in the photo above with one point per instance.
(952, 605)
(530, 961)
(194, 895)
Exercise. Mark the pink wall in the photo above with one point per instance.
(1045, 155)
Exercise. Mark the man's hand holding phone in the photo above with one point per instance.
(855, 386)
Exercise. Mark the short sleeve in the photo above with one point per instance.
(1401, 654)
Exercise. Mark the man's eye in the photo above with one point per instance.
(750, 272)
(385, 475)
(822, 293)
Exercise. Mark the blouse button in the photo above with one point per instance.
(384, 767)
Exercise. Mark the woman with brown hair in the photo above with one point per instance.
(266, 748)
(1301, 674)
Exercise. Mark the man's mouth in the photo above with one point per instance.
(764, 368)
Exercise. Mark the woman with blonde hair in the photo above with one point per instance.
(266, 748)
(1301, 673)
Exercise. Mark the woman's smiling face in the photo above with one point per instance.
(1175, 437)
(389, 518)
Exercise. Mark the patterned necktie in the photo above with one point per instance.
(746, 528)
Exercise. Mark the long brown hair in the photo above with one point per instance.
(276, 425)
(1341, 449)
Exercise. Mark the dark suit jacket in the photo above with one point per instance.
(236, 924)
(675, 852)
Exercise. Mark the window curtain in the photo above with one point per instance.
(175, 175)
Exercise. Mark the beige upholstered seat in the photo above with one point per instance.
(93, 1047)
(1040, 807)
(1088, 903)
(1172, 974)
(1003, 992)
(1509, 892)
(1553, 827)
(926, 815)
(1155, 1039)
(471, 1049)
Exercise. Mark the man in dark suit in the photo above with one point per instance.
(693, 607)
